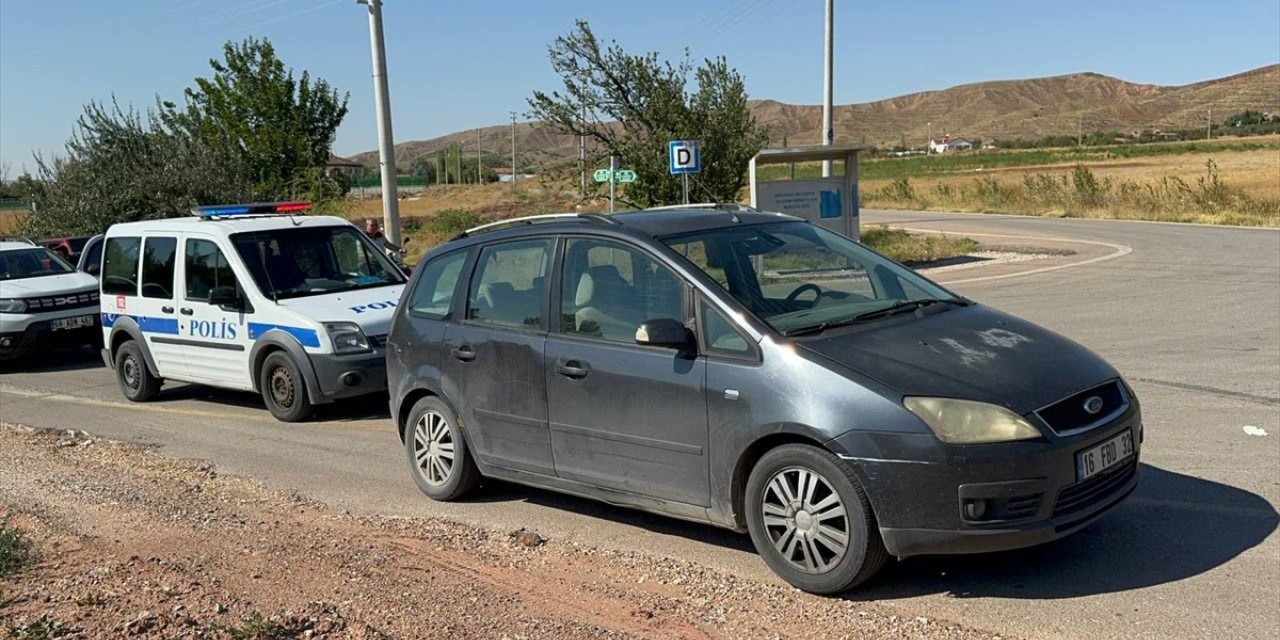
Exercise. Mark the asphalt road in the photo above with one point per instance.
(1190, 315)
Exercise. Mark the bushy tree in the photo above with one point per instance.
(282, 127)
(635, 104)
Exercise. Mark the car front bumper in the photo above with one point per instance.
(39, 335)
(349, 376)
(1028, 490)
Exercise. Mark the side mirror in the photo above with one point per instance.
(93, 268)
(664, 332)
(226, 298)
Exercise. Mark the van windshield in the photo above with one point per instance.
(309, 261)
(798, 277)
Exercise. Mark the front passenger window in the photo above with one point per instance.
(507, 288)
(609, 289)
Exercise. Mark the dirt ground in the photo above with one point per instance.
(129, 543)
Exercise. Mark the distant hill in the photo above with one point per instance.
(1001, 109)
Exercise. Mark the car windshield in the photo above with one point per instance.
(32, 263)
(797, 276)
(308, 261)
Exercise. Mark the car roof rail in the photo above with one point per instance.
(16, 238)
(527, 220)
(731, 207)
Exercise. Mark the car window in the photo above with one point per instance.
(32, 263)
(508, 285)
(159, 256)
(93, 259)
(797, 276)
(120, 266)
(433, 296)
(207, 269)
(609, 289)
(719, 334)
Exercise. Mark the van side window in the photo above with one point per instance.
(207, 269)
(719, 335)
(120, 266)
(610, 288)
(507, 288)
(433, 296)
(159, 257)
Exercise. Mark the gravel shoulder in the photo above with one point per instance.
(130, 543)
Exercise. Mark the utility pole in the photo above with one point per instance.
(928, 147)
(514, 173)
(613, 180)
(479, 170)
(582, 150)
(1080, 131)
(1209, 132)
(828, 135)
(386, 146)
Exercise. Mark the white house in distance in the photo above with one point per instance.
(949, 143)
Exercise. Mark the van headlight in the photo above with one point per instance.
(347, 337)
(12, 305)
(969, 422)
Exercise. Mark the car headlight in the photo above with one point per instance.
(12, 305)
(347, 337)
(969, 422)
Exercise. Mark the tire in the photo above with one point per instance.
(283, 388)
(431, 434)
(809, 528)
(136, 382)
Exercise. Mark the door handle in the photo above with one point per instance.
(166, 309)
(572, 369)
(186, 311)
(464, 353)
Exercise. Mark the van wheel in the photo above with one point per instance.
(811, 521)
(439, 460)
(284, 389)
(136, 381)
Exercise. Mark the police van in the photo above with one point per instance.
(255, 297)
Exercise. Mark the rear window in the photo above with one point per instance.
(120, 266)
(158, 260)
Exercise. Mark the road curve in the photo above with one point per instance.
(1190, 315)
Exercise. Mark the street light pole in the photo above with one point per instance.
(386, 146)
(828, 134)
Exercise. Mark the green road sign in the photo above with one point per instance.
(621, 176)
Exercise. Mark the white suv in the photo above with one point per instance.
(44, 301)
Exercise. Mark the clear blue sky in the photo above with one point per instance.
(461, 64)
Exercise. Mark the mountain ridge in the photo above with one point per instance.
(994, 109)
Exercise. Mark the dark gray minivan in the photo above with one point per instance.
(753, 371)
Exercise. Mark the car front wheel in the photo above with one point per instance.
(811, 521)
(284, 390)
(136, 381)
(438, 456)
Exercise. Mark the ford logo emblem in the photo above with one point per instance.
(1093, 405)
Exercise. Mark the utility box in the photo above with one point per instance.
(831, 202)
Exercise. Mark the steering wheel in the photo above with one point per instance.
(808, 286)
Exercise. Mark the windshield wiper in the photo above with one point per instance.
(899, 307)
(818, 328)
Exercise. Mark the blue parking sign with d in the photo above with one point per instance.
(684, 156)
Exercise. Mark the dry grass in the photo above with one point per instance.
(1222, 187)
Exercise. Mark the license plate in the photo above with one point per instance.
(78, 322)
(1095, 460)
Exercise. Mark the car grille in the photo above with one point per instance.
(1094, 490)
(1022, 507)
(379, 342)
(1069, 415)
(67, 301)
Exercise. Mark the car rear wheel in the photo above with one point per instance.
(438, 456)
(283, 388)
(136, 381)
(811, 521)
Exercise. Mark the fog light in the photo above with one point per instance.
(975, 509)
(352, 379)
(6, 342)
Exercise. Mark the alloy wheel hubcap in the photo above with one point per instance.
(433, 448)
(805, 520)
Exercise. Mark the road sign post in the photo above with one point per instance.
(613, 180)
(683, 158)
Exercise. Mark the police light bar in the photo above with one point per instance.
(255, 209)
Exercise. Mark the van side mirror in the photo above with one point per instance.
(664, 332)
(226, 298)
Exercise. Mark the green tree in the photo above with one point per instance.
(282, 127)
(635, 104)
(121, 166)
